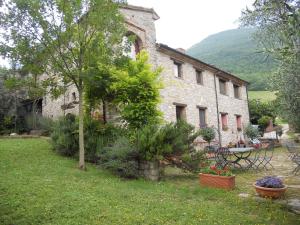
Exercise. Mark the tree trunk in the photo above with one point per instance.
(81, 133)
(16, 113)
(104, 111)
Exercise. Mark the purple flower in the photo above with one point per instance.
(270, 182)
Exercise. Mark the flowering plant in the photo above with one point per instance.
(217, 170)
(270, 182)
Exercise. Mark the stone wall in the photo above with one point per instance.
(150, 170)
(64, 104)
(141, 23)
(176, 90)
(186, 91)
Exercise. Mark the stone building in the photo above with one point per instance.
(195, 91)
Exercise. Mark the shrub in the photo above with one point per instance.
(8, 124)
(259, 109)
(121, 158)
(263, 122)
(191, 161)
(251, 132)
(97, 136)
(64, 136)
(208, 134)
(155, 142)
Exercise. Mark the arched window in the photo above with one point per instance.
(132, 44)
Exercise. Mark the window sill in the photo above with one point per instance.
(224, 94)
(225, 128)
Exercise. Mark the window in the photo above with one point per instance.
(199, 77)
(202, 117)
(224, 121)
(73, 96)
(236, 90)
(180, 112)
(177, 69)
(222, 84)
(133, 45)
(239, 122)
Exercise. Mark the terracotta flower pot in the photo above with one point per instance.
(216, 181)
(270, 192)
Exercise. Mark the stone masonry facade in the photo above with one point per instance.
(220, 96)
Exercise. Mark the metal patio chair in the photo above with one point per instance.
(295, 157)
(292, 149)
(222, 157)
(257, 158)
(265, 157)
(210, 152)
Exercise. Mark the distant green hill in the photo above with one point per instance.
(236, 52)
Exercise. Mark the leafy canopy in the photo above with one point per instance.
(137, 92)
(278, 24)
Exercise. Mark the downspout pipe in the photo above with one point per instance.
(248, 102)
(218, 119)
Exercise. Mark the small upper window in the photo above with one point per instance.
(236, 90)
(202, 117)
(222, 84)
(199, 77)
(177, 69)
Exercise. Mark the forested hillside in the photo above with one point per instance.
(235, 51)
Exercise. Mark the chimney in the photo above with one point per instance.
(182, 50)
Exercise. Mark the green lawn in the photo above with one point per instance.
(39, 187)
(264, 96)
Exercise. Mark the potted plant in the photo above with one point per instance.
(216, 177)
(270, 187)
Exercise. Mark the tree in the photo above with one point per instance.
(136, 88)
(69, 37)
(251, 132)
(7, 101)
(208, 134)
(278, 24)
(259, 109)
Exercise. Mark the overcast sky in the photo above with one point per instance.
(184, 23)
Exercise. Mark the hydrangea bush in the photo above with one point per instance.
(270, 182)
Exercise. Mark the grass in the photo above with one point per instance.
(39, 187)
(264, 96)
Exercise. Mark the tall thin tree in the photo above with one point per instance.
(74, 36)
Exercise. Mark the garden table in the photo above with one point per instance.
(241, 154)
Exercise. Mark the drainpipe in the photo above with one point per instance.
(248, 101)
(217, 104)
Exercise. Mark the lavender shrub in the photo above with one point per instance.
(270, 182)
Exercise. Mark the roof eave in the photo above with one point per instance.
(213, 68)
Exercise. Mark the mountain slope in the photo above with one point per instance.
(236, 52)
